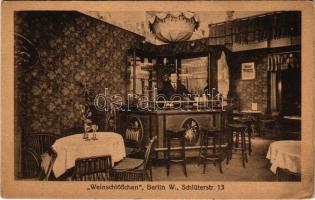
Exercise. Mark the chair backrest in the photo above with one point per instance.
(47, 162)
(134, 132)
(85, 168)
(148, 153)
(40, 142)
(30, 163)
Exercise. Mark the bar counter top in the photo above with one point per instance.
(175, 111)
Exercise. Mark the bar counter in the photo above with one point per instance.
(155, 123)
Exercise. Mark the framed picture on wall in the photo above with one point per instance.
(248, 71)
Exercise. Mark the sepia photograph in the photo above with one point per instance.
(158, 96)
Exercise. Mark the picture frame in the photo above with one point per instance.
(248, 71)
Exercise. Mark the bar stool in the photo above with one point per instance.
(248, 132)
(173, 137)
(204, 155)
(236, 130)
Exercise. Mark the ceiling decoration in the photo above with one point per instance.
(173, 26)
(138, 21)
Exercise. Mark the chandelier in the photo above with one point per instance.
(173, 26)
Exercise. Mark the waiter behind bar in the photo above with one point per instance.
(174, 88)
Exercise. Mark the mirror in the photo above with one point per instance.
(194, 74)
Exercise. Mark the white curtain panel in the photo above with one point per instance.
(223, 76)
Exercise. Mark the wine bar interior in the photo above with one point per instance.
(157, 96)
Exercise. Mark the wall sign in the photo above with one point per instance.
(248, 71)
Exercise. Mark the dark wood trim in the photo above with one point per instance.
(268, 50)
(268, 93)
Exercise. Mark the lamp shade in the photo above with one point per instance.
(173, 26)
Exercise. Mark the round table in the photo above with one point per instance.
(285, 154)
(73, 147)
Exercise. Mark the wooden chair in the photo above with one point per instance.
(219, 138)
(92, 168)
(47, 162)
(286, 175)
(132, 169)
(216, 142)
(36, 168)
(30, 164)
(40, 142)
(269, 122)
(134, 137)
(180, 157)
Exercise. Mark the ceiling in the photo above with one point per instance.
(137, 21)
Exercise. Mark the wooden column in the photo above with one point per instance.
(134, 65)
(213, 58)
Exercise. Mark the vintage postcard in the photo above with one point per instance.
(192, 99)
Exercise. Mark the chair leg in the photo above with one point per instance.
(243, 149)
(168, 163)
(236, 140)
(220, 167)
(201, 150)
(229, 149)
(249, 143)
(167, 167)
(204, 165)
(214, 149)
(185, 170)
(205, 154)
(184, 156)
(199, 157)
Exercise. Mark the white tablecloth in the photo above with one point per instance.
(286, 155)
(295, 117)
(72, 147)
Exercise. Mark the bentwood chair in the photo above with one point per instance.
(30, 163)
(92, 168)
(180, 156)
(38, 167)
(214, 142)
(134, 137)
(40, 142)
(270, 123)
(133, 169)
(205, 154)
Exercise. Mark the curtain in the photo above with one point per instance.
(256, 29)
(283, 61)
(223, 76)
(273, 91)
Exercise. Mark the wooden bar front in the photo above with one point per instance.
(155, 123)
